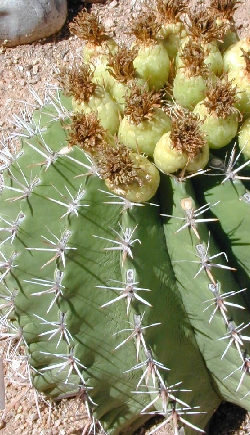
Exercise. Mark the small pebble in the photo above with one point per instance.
(9, 62)
(2, 424)
(35, 69)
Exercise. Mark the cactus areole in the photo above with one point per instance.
(125, 259)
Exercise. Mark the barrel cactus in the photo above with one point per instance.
(125, 228)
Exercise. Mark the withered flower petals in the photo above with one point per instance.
(186, 134)
(141, 104)
(77, 82)
(203, 25)
(120, 64)
(86, 132)
(88, 27)
(170, 10)
(116, 165)
(145, 27)
(246, 55)
(225, 8)
(221, 97)
(192, 56)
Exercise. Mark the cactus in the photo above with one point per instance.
(126, 285)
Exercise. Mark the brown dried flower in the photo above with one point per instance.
(220, 97)
(170, 10)
(86, 132)
(121, 64)
(225, 8)
(77, 82)
(203, 25)
(116, 165)
(145, 27)
(186, 134)
(141, 104)
(246, 55)
(192, 56)
(88, 27)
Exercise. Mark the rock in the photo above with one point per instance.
(24, 21)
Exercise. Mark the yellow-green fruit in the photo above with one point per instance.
(218, 131)
(107, 109)
(121, 91)
(152, 64)
(188, 89)
(166, 157)
(244, 138)
(230, 36)
(233, 57)
(142, 137)
(200, 161)
(102, 77)
(97, 54)
(240, 78)
(135, 191)
(213, 57)
(172, 35)
(118, 91)
(115, 89)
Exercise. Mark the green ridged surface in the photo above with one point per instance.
(195, 291)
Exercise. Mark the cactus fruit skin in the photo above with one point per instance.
(144, 135)
(152, 65)
(126, 300)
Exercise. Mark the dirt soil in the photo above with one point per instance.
(25, 72)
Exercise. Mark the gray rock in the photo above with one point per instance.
(24, 21)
